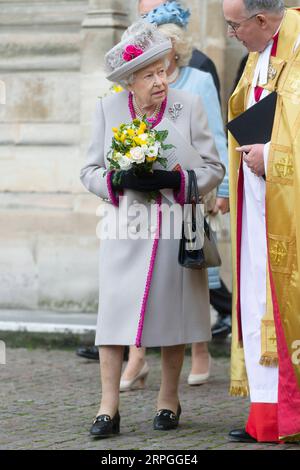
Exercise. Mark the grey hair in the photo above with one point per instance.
(127, 81)
(131, 78)
(276, 6)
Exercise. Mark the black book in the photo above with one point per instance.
(255, 125)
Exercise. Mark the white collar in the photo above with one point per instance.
(297, 44)
(261, 71)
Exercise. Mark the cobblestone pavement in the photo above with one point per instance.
(49, 398)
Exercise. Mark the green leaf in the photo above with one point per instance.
(162, 135)
(163, 162)
(117, 178)
(167, 146)
(113, 164)
(152, 195)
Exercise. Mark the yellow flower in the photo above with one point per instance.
(139, 141)
(130, 132)
(142, 128)
(115, 129)
(116, 88)
(151, 159)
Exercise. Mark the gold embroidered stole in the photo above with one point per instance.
(282, 198)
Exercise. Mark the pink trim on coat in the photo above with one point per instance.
(112, 196)
(138, 340)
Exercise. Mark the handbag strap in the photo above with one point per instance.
(193, 198)
(189, 194)
(193, 193)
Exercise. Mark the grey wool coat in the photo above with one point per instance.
(145, 297)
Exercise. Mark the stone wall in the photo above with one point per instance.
(51, 67)
(44, 235)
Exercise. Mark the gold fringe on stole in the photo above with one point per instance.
(239, 388)
(269, 355)
(268, 361)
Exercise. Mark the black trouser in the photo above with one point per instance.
(221, 300)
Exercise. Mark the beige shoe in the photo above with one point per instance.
(137, 382)
(199, 379)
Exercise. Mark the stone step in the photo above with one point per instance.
(41, 321)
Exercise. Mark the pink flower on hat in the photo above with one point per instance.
(131, 52)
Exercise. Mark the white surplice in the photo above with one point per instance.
(263, 381)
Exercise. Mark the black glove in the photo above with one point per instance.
(159, 179)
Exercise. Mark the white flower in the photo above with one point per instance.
(153, 150)
(137, 155)
(124, 162)
(143, 137)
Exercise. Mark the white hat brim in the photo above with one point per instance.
(147, 58)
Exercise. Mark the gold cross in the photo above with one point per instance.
(272, 72)
(273, 339)
(295, 84)
(278, 253)
(285, 167)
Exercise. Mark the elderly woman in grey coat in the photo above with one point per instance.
(145, 297)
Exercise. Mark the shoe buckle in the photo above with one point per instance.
(101, 418)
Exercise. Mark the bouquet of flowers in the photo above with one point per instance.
(136, 146)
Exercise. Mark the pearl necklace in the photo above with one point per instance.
(153, 122)
(174, 75)
(140, 114)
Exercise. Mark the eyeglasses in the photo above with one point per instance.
(235, 26)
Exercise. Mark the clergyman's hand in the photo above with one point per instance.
(254, 158)
(222, 204)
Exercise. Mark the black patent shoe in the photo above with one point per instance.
(240, 435)
(103, 426)
(88, 352)
(166, 419)
(222, 328)
(92, 352)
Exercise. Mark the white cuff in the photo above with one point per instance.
(266, 156)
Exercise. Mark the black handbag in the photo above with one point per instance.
(197, 247)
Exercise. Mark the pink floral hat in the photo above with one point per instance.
(141, 45)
